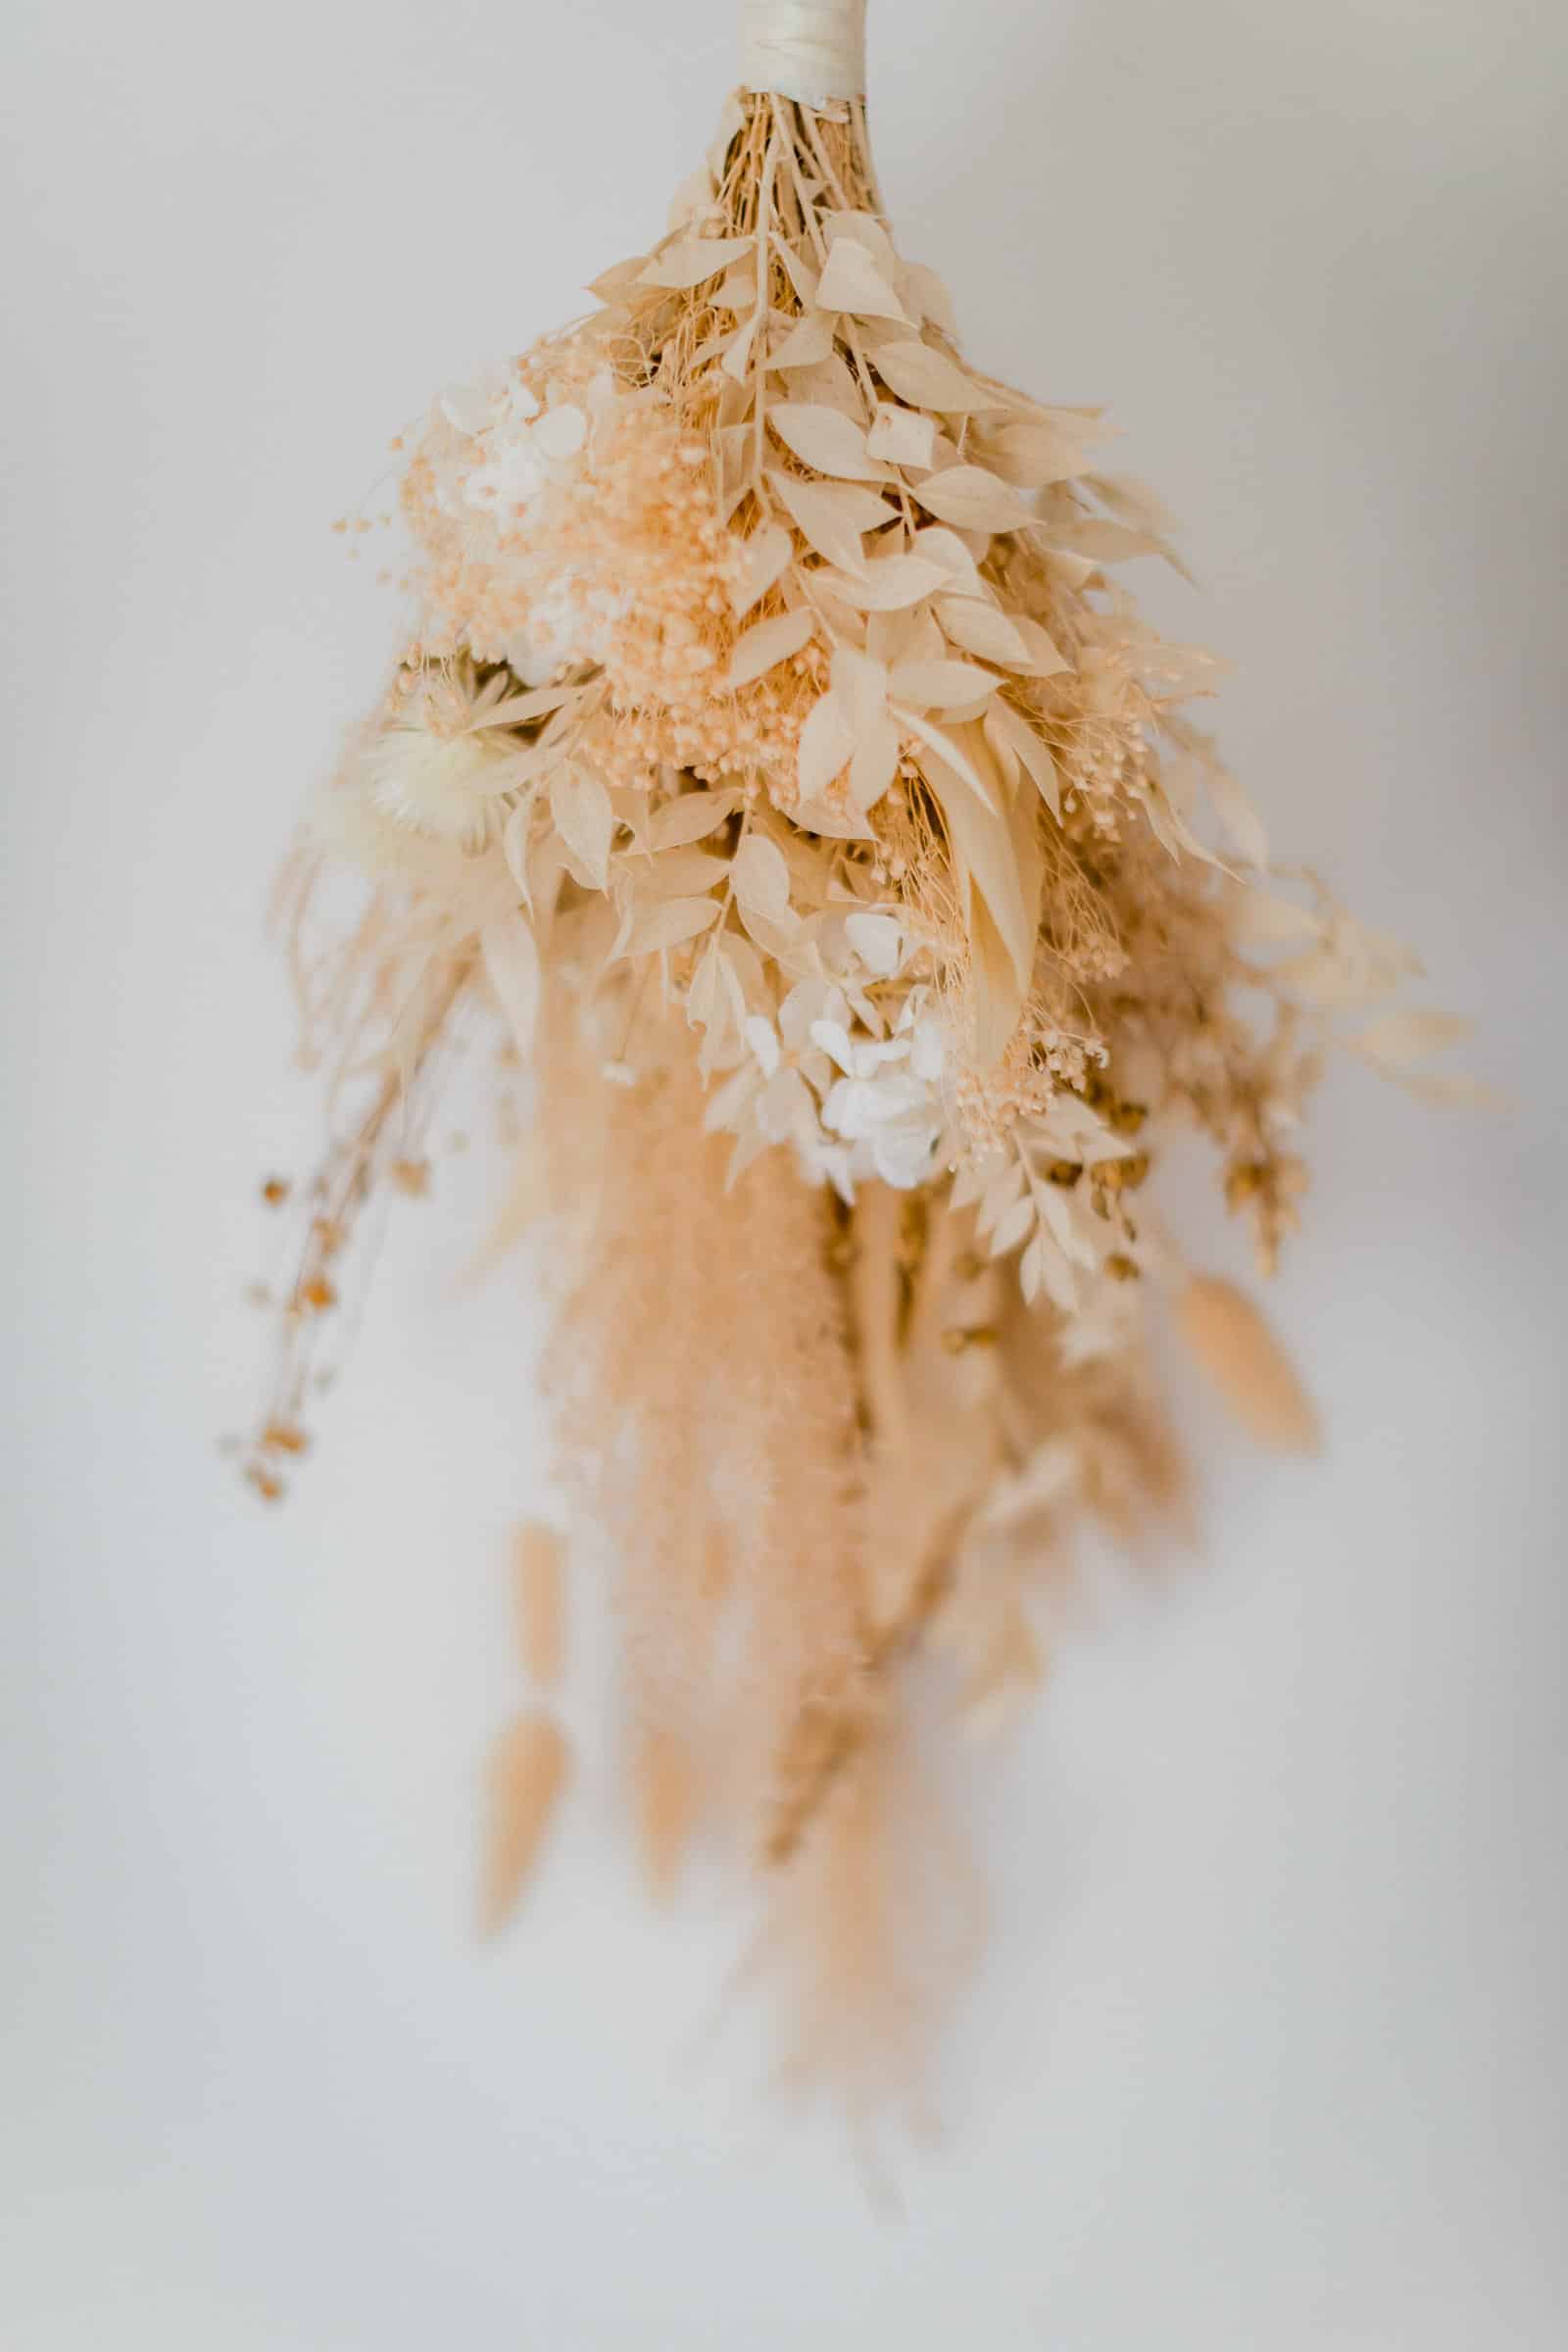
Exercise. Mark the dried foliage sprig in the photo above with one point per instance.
(777, 752)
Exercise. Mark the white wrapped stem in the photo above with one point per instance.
(809, 50)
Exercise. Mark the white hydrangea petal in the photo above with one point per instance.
(878, 942)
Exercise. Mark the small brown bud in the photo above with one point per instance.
(284, 1436)
(957, 1340)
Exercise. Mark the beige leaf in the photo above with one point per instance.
(1045, 657)
(828, 742)
(766, 555)
(928, 379)
(797, 270)
(541, 1601)
(1031, 749)
(940, 685)
(832, 386)
(995, 999)
(681, 873)
(762, 878)
(875, 761)
(824, 439)
(739, 293)
(584, 819)
(809, 341)
(668, 922)
(952, 754)
(890, 584)
(831, 516)
(526, 1774)
(1234, 1345)
(691, 260)
(1013, 1228)
(1035, 454)
(764, 646)
(902, 437)
(1397, 1039)
(982, 628)
(908, 633)
(939, 545)
(833, 824)
(518, 709)
(689, 817)
(851, 281)
(863, 229)
(611, 284)
(926, 290)
(983, 843)
(738, 353)
(860, 687)
(973, 500)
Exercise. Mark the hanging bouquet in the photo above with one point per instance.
(778, 763)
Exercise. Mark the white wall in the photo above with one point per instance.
(1269, 2050)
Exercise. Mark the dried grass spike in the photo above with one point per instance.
(541, 1601)
(664, 1793)
(527, 1771)
(1234, 1345)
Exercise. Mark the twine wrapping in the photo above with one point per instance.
(809, 50)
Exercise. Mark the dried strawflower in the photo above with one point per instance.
(778, 756)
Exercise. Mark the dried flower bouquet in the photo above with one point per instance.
(778, 757)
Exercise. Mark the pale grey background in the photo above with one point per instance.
(1269, 2048)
